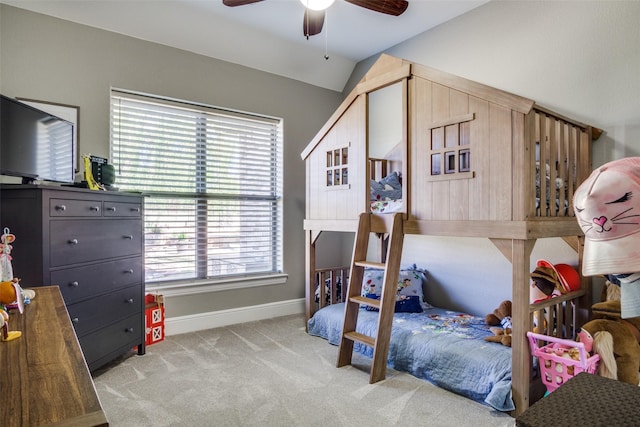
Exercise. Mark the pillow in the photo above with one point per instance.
(392, 180)
(389, 187)
(404, 304)
(410, 283)
(327, 290)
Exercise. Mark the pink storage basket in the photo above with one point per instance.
(555, 369)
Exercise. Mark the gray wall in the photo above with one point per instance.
(579, 58)
(49, 59)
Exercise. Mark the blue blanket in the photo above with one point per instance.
(444, 347)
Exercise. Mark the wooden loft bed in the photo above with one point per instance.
(477, 162)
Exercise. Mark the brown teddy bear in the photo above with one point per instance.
(622, 361)
(500, 322)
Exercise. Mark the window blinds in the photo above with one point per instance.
(213, 181)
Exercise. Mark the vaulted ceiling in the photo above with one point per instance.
(266, 35)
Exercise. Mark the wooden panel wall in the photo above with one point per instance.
(343, 202)
(487, 195)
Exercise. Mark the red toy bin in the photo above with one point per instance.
(556, 369)
(153, 318)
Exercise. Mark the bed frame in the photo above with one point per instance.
(478, 162)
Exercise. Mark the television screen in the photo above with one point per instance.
(34, 144)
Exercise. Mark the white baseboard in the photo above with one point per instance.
(216, 319)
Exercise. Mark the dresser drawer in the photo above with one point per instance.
(125, 333)
(122, 209)
(78, 283)
(95, 313)
(71, 207)
(85, 240)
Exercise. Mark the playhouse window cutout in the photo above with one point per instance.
(449, 147)
(337, 167)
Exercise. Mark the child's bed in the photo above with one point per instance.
(445, 347)
(470, 166)
(438, 345)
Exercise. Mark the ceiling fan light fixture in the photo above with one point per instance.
(317, 4)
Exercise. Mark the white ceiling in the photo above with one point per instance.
(266, 36)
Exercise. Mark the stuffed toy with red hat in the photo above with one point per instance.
(555, 279)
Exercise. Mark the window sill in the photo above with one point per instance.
(213, 285)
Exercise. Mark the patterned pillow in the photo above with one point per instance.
(410, 283)
(389, 188)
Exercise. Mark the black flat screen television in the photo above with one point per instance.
(34, 144)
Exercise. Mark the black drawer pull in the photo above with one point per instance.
(135, 209)
(129, 271)
(61, 208)
(129, 330)
(128, 236)
(130, 301)
(75, 320)
(74, 284)
(94, 208)
(111, 208)
(72, 241)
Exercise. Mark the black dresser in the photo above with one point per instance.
(90, 244)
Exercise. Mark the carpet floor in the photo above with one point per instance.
(270, 373)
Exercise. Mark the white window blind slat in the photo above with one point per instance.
(213, 181)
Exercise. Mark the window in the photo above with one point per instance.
(213, 185)
(337, 167)
(449, 147)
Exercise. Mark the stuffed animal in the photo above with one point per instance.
(621, 358)
(501, 316)
(500, 322)
(501, 336)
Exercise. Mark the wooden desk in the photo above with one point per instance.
(44, 379)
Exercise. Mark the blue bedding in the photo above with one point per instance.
(444, 347)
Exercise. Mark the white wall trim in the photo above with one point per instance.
(216, 319)
(215, 285)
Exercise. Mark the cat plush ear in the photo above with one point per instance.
(607, 207)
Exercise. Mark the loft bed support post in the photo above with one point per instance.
(310, 268)
(383, 245)
(521, 362)
(583, 313)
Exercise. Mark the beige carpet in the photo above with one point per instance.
(270, 373)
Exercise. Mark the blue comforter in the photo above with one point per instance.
(444, 347)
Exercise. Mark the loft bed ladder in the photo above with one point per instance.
(381, 224)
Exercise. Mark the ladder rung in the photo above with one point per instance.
(364, 339)
(370, 302)
(370, 264)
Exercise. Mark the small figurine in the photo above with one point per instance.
(6, 334)
(6, 270)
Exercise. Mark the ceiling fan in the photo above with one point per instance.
(314, 19)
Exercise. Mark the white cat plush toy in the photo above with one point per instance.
(607, 206)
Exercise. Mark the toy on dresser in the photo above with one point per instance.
(10, 297)
(6, 271)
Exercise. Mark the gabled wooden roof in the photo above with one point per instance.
(389, 69)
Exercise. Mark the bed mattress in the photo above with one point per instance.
(444, 347)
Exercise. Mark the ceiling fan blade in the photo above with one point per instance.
(390, 7)
(312, 22)
(233, 3)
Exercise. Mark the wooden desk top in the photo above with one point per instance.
(44, 379)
